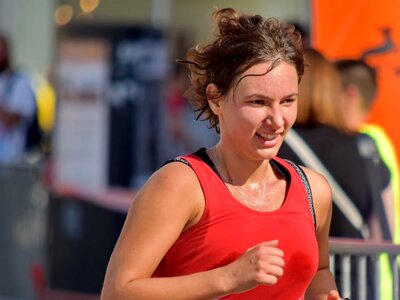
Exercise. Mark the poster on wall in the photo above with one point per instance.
(110, 85)
(81, 154)
(137, 106)
(368, 30)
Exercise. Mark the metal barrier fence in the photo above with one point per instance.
(358, 260)
(23, 203)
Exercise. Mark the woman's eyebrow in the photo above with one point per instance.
(258, 95)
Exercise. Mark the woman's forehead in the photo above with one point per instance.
(276, 82)
(268, 71)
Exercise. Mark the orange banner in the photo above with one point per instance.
(368, 29)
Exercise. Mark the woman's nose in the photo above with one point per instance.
(275, 118)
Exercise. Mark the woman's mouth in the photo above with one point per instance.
(268, 140)
(267, 137)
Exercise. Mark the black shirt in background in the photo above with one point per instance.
(338, 152)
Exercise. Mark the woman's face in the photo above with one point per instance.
(256, 113)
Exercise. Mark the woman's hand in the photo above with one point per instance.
(261, 264)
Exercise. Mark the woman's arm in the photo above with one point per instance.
(169, 203)
(323, 285)
(165, 206)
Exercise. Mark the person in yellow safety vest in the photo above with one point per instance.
(359, 90)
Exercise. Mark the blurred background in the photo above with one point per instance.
(110, 111)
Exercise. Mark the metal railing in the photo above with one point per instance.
(23, 201)
(359, 260)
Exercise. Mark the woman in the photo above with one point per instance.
(233, 221)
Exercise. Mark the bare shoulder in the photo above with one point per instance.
(168, 203)
(174, 177)
(319, 184)
(174, 188)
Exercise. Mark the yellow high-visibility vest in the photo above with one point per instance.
(388, 155)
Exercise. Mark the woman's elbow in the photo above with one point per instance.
(111, 291)
(108, 293)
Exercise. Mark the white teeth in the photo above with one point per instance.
(267, 136)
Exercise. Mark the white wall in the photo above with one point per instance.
(195, 15)
(29, 24)
(31, 27)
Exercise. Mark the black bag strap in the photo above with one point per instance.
(177, 159)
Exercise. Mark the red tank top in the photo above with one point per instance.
(228, 228)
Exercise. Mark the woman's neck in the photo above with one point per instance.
(238, 170)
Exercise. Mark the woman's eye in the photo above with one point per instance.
(288, 101)
(257, 101)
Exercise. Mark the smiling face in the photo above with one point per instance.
(255, 115)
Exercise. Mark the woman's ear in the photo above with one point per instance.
(213, 97)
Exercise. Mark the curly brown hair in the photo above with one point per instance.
(241, 41)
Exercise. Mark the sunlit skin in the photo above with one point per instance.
(256, 114)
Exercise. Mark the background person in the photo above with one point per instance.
(359, 85)
(359, 92)
(220, 223)
(322, 127)
(17, 108)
